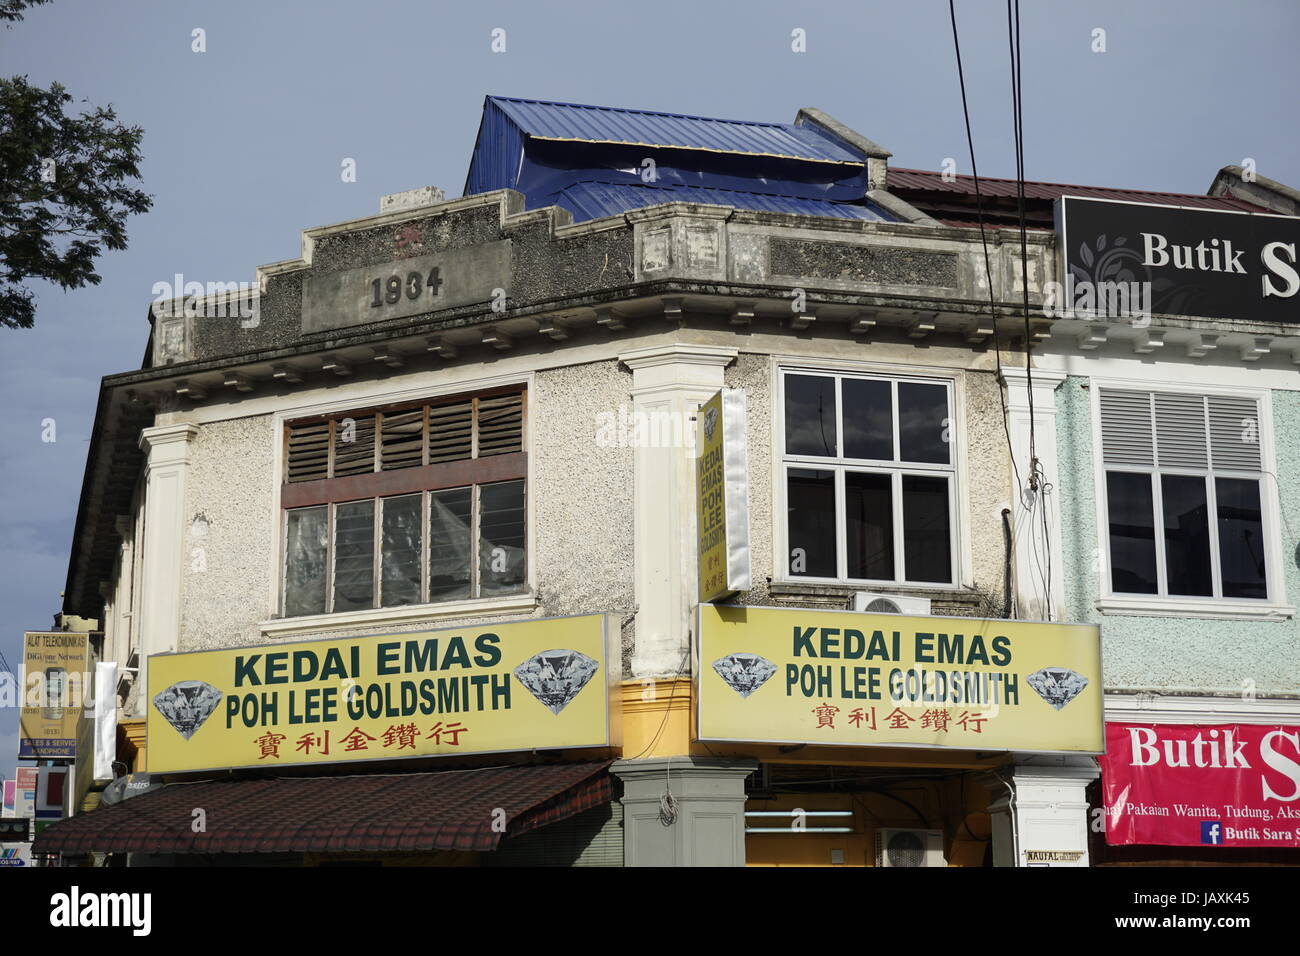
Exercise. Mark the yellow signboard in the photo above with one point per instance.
(528, 685)
(55, 679)
(722, 511)
(778, 675)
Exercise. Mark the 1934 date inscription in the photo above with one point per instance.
(389, 291)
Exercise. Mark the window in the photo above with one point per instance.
(869, 478)
(405, 505)
(1184, 495)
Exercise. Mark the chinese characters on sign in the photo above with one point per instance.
(778, 675)
(518, 686)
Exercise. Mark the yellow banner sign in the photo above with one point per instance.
(56, 687)
(722, 511)
(777, 675)
(528, 685)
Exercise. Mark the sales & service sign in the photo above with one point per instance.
(794, 676)
(526, 685)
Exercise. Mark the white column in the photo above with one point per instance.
(1037, 541)
(159, 606)
(668, 385)
(1040, 811)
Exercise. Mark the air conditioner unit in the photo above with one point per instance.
(912, 848)
(889, 603)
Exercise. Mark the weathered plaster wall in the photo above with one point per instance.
(1168, 654)
(225, 588)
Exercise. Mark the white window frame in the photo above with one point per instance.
(953, 471)
(1272, 608)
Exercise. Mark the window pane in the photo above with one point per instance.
(809, 415)
(927, 544)
(1241, 538)
(400, 570)
(502, 561)
(450, 544)
(1131, 517)
(868, 500)
(923, 424)
(306, 534)
(354, 556)
(868, 419)
(810, 500)
(1187, 534)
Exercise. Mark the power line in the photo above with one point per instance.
(988, 269)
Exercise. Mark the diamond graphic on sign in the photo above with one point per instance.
(744, 673)
(555, 677)
(187, 704)
(710, 423)
(1057, 685)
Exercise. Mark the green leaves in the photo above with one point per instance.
(67, 186)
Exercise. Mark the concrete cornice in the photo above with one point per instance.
(1153, 709)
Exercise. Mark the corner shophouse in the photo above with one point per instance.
(483, 452)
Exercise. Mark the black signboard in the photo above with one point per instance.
(1200, 262)
(14, 829)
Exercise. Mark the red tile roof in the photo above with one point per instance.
(903, 181)
(364, 813)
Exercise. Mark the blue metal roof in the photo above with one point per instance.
(603, 124)
(597, 200)
(597, 161)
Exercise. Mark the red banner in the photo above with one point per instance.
(1201, 785)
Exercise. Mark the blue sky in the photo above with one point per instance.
(244, 142)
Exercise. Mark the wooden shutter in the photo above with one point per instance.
(500, 425)
(401, 439)
(1234, 433)
(308, 454)
(355, 457)
(1126, 433)
(451, 432)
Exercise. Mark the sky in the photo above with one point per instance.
(244, 143)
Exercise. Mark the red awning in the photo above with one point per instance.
(365, 813)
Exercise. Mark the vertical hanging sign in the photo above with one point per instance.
(721, 490)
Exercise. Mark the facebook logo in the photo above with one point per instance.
(1211, 832)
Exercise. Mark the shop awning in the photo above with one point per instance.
(364, 813)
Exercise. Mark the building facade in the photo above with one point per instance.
(459, 417)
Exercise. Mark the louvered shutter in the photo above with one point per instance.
(355, 457)
(500, 425)
(309, 447)
(1180, 431)
(1126, 428)
(1234, 433)
(401, 439)
(451, 432)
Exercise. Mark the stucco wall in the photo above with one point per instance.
(1168, 654)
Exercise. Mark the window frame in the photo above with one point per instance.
(377, 486)
(840, 465)
(1272, 607)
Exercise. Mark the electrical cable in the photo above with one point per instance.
(988, 270)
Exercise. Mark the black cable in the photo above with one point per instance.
(988, 269)
(1037, 481)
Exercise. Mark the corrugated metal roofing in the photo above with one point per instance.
(596, 200)
(919, 179)
(602, 124)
